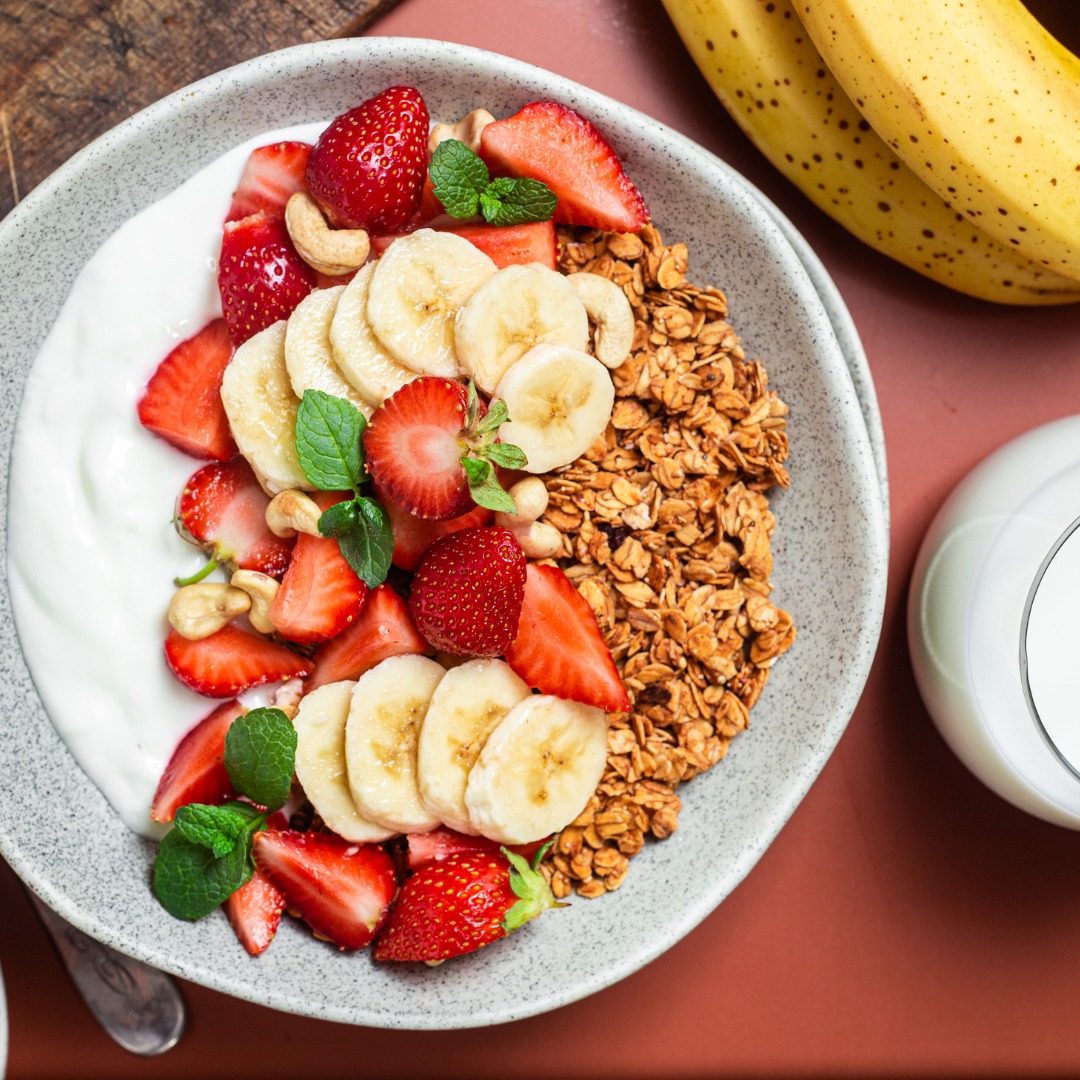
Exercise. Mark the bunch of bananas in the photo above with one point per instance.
(944, 133)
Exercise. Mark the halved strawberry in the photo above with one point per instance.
(552, 143)
(320, 594)
(368, 167)
(505, 245)
(196, 771)
(182, 400)
(413, 535)
(343, 891)
(231, 661)
(260, 276)
(271, 175)
(430, 847)
(223, 509)
(559, 649)
(254, 912)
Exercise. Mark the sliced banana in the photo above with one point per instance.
(538, 769)
(559, 400)
(389, 704)
(359, 354)
(320, 763)
(261, 407)
(466, 706)
(516, 308)
(418, 286)
(309, 357)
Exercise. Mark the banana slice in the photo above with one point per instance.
(320, 763)
(309, 358)
(416, 290)
(537, 770)
(516, 308)
(359, 354)
(389, 704)
(261, 407)
(466, 706)
(559, 401)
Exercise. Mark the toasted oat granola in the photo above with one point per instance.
(666, 533)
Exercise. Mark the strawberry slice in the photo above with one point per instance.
(384, 628)
(182, 400)
(320, 594)
(368, 167)
(254, 912)
(196, 771)
(223, 509)
(552, 143)
(559, 649)
(271, 174)
(413, 535)
(430, 847)
(260, 276)
(343, 891)
(231, 661)
(505, 245)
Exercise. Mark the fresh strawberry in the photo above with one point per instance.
(552, 143)
(271, 174)
(182, 400)
(505, 245)
(559, 649)
(441, 843)
(413, 535)
(196, 771)
(254, 912)
(461, 904)
(467, 591)
(320, 594)
(231, 661)
(223, 509)
(384, 628)
(368, 167)
(260, 276)
(343, 891)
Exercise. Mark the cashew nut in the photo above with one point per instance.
(538, 539)
(606, 305)
(466, 130)
(262, 589)
(292, 511)
(531, 497)
(330, 251)
(197, 611)
(287, 697)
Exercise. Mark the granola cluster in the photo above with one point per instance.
(667, 534)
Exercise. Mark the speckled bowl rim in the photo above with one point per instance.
(130, 923)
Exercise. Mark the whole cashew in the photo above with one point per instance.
(466, 130)
(531, 497)
(292, 511)
(330, 251)
(262, 589)
(199, 610)
(606, 305)
(538, 539)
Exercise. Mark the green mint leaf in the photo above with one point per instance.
(369, 547)
(458, 177)
(218, 828)
(190, 881)
(507, 455)
(328, 433)
(339, 519)
(489, 492)
(476, 469)
(508, 201)
(260, 752)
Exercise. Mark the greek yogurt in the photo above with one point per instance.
(92, 549)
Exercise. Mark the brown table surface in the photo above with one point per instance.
(906, 920)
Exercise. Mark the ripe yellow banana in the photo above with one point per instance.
(767, 73)
(978, 99)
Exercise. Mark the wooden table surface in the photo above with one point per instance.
(906, 920)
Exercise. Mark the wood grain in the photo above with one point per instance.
(72, 69)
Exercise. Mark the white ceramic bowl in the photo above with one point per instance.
(62, 837)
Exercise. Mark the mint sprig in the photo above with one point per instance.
(329, 444)
(207, 855)
(462, 183)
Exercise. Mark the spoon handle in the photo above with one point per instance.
(139, 1006)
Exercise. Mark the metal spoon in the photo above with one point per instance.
(139, 1006)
